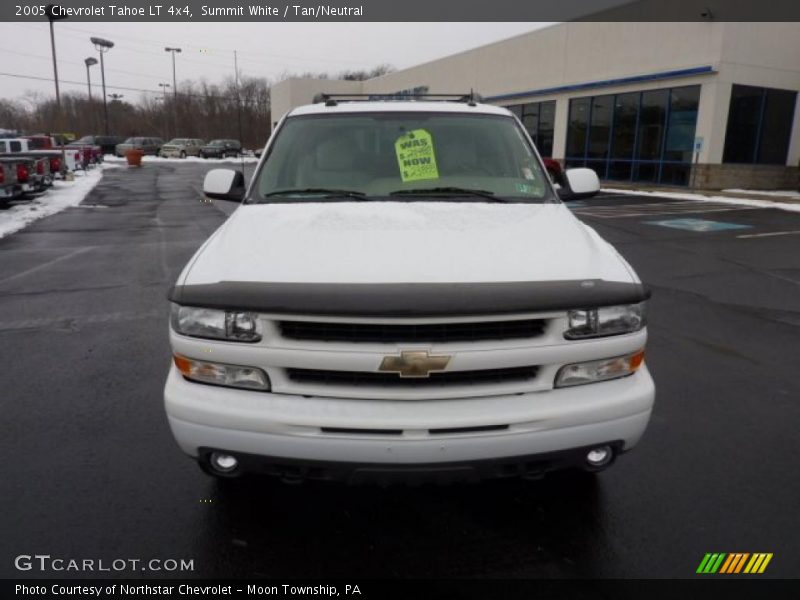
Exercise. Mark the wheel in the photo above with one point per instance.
(183, 154)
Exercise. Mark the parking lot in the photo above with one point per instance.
(91, 469)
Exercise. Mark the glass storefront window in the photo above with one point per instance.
(539, 120)
(578, 127)
(682, 121)
(652, 125)
(547, 125)
(626, 112)
(636, 136)
(776, 126)
(742, 130)
(759, 125)
(600, 129)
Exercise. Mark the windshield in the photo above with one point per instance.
(179, 141)
(85, 140)
(402, 156)
(216, 143)
(130, 141)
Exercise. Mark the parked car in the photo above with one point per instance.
(423, 305)
(148, 145)
(75, 158)
(107, 143)
(8, 181)
(37, 145)
(92, 150)
(182, 147)
(33, 174)
(221, 149)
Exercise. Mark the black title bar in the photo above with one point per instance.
(402, 10)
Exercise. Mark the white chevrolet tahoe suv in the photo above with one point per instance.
(403, 295)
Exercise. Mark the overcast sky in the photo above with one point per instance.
(138, 59)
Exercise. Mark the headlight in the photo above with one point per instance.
(250, 378)
(608, 320)
(599, 370)
(215, 324)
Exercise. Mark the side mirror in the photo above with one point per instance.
(224, 184)
(581, 183)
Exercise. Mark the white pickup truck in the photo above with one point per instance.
(402, 294)
(24, 145)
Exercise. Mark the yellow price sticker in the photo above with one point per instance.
(416, 156)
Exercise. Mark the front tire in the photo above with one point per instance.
(183, 154)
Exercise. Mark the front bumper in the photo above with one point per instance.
(532, 466)
(403, 433)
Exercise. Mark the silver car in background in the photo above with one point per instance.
(148, 145)
(182, 147)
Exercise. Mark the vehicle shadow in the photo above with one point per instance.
(261, 527)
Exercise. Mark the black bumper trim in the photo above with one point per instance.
(532, 466)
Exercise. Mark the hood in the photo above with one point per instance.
(404, 242)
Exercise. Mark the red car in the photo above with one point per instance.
(554, 170)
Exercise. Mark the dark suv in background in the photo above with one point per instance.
(221, 149)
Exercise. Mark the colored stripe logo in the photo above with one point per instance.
(734, 563)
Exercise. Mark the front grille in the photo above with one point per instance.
(391, 380)
(423, 333)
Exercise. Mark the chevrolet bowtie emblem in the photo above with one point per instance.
(414, 363)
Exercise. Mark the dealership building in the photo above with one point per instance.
(708, 104)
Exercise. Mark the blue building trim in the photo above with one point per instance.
(605, 83)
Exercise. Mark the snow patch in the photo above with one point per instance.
(62, 195)
(701, 198)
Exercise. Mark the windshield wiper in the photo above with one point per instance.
(448, 191)
(325, 192)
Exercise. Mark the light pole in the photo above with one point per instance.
(164, 87)
(174, 79)
(89, 62)
(162, 101)
(54, 15)
(174, 51)
(103, 46)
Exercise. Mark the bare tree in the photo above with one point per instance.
(202, 110)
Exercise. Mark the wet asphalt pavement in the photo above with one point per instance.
(90, 469)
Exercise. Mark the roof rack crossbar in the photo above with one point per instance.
(333, 99)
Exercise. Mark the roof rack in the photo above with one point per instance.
(472, 99)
